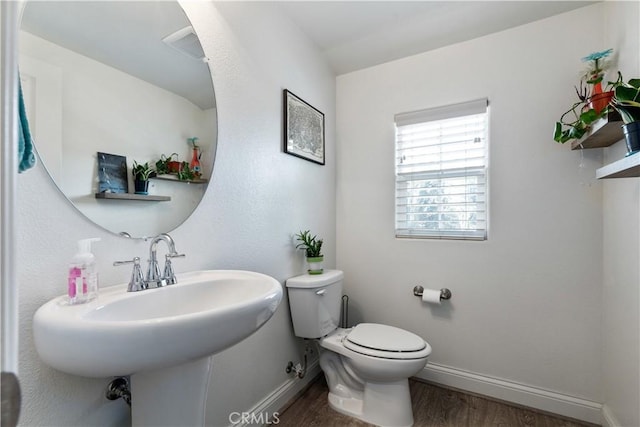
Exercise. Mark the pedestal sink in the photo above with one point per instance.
(163, 338)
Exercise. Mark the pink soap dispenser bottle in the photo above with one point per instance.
(82, 283)
(74, 290)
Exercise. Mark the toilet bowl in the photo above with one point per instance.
(367, 367)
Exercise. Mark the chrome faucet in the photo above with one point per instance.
(154, 278)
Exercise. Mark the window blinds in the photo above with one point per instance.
(441, 172)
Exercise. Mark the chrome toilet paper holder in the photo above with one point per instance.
(444, 292)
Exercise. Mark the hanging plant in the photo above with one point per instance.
(592, 102)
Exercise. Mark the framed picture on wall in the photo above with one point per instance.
(112, 173)
(303, 129)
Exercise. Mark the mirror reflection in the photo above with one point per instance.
(130, 80)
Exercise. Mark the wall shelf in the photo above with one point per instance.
(604, 132)
(172, 177)
(132, 196)
(627, 167)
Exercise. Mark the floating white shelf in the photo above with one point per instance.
(627, 167)
(132, 196)
(172, 177)
(604, 132)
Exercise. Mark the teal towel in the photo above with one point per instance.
(26, 158)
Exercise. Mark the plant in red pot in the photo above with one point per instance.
(592, 103)
(194, 165)
(166, 164)
(599, 99)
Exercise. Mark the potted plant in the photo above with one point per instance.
(141, 174)
(576, 121)
(195, 157)
(185, 173)
(599, 99)
(626, 101)
(313, 250)
(592, 103)
(166, 164)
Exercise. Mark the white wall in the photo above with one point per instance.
(258, 199)
(621, 229)
(526, 304)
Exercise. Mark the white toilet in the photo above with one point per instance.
(367, 367)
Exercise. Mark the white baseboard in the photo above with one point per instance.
(509, 391)
(521, 394)
(608, 419)
(265, 412)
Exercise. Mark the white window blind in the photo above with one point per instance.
(441, 172)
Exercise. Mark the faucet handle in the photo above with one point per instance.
(175, 255)
(168, 274)
(137, 282)
(131, 261)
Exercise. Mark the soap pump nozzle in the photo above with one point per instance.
(84, 245)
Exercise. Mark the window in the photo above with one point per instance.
(441, 172)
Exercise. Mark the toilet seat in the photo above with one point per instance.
(387, 342)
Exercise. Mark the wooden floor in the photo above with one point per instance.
(432, 406)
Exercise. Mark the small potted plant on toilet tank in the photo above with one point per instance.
(313, 250)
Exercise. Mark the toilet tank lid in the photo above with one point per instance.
(315, 280)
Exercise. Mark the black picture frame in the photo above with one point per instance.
(303, 129)
(112, 173)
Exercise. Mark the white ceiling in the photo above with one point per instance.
(352, 34)
(126, 35)
(359, 34)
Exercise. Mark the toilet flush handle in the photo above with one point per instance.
(321, 292)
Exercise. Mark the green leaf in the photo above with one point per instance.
(598, 79)
(577, 132)
(566, 136)
(557, 132)
(627, 93)
(635, 83)
(589, 116)
(629, 114)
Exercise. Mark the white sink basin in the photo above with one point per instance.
(123, 333)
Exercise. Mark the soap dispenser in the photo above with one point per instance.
(83, 277)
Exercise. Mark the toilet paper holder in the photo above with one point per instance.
(444, 292)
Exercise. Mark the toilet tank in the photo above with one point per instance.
(314, 301)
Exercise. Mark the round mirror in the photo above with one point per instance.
(109, 85)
